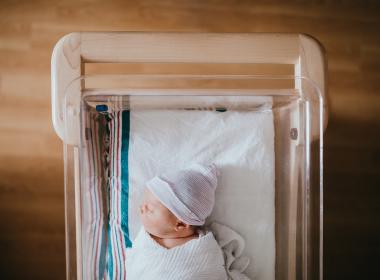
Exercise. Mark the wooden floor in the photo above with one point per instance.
(31, 167)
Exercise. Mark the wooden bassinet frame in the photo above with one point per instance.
(74, 50)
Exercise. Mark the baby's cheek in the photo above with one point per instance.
(144, 219)
(160, 216)
(148, 220)
(155, 219)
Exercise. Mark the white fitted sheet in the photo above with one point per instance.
(242, 146)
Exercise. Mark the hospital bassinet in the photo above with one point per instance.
(101, 81)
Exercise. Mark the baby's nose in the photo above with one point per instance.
(142, 208)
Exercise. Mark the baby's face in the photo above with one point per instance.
(156, 218)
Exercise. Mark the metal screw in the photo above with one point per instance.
(293, 133)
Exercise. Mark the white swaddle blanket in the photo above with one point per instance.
(197, 259)
(232, 245)
(216, 254)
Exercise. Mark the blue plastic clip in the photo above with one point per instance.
(101, 108)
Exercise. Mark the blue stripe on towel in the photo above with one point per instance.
(102, 261)
(110, 262)
(124, 176)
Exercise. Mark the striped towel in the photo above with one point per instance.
(118, 232)
(94, 206)
(105, 234)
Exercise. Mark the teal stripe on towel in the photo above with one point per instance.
(124, 176)
(109, 256)
(103, 149)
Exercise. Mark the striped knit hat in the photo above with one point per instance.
(188, 193)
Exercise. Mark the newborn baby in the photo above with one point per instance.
(172, 243)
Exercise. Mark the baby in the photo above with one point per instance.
(172, 243)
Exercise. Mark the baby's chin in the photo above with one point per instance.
(154, 231)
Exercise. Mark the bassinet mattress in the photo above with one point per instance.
(144, 143)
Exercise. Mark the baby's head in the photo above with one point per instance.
(176, 202)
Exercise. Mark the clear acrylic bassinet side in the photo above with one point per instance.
(298, 113)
